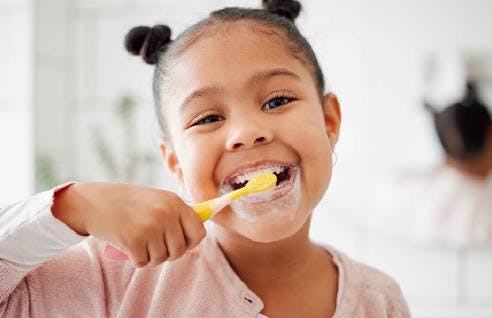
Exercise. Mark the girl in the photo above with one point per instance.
(236, 94)
(448, 204)
(456, 197)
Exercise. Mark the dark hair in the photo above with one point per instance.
(463, 127)
(155, 46)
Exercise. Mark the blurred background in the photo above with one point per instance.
(75, 106)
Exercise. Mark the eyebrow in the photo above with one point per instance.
(265, 75)
(256, 77)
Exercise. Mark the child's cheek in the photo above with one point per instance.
(316, 155)
(199, 170)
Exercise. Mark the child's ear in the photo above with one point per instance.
(332, 116)
(171, 161)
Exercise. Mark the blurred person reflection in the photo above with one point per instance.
(465, 133)
(456, 197)
(449, 204)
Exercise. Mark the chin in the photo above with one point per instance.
(266, 229)
(269, 218)
(271, 233)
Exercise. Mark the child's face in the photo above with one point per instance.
(241, 102)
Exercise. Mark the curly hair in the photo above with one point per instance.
(277, 17)
(463, 127)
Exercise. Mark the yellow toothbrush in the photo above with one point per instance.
(207, 209)
(259, 183)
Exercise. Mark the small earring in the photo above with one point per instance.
(334, 158)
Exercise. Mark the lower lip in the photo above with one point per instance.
(279, 191)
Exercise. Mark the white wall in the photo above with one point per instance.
(16, 67)
(373, 53)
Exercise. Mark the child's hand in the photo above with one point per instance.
(147, 224)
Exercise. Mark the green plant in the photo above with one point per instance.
(132, 163)
(46, 176)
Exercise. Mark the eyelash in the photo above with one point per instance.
(284, 97)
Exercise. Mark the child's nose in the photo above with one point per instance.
(248, 135)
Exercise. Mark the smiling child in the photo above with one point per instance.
(237, 94)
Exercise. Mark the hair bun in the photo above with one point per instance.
(148, 42)
(289, 9)
(430, 108)
(471, 97)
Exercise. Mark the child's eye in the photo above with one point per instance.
(207, 119)
(277, 102)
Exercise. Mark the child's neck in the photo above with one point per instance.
(255, 262)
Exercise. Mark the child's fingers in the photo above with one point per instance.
(138, 254)
(175, 240)
(157, 250)
(193, 228)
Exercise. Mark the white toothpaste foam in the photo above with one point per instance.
(285, 206)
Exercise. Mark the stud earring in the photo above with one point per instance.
(334, 158)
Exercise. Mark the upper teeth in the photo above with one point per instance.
(248, 175)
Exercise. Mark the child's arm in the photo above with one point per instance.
(149, 225)
(138, 220)
(135, 219)
(29, 235)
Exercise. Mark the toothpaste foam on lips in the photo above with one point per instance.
(281, 201)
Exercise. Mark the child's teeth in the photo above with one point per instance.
(248, 175)
(241, 179)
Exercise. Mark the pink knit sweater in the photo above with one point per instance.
(81, 282)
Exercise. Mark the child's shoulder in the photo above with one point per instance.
(366, 276)
(361, 285)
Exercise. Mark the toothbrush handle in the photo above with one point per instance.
(205, 211)
(209, 208)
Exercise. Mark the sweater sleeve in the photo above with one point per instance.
(78, 282)
(29, 236)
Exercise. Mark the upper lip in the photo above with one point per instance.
(248, 167)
